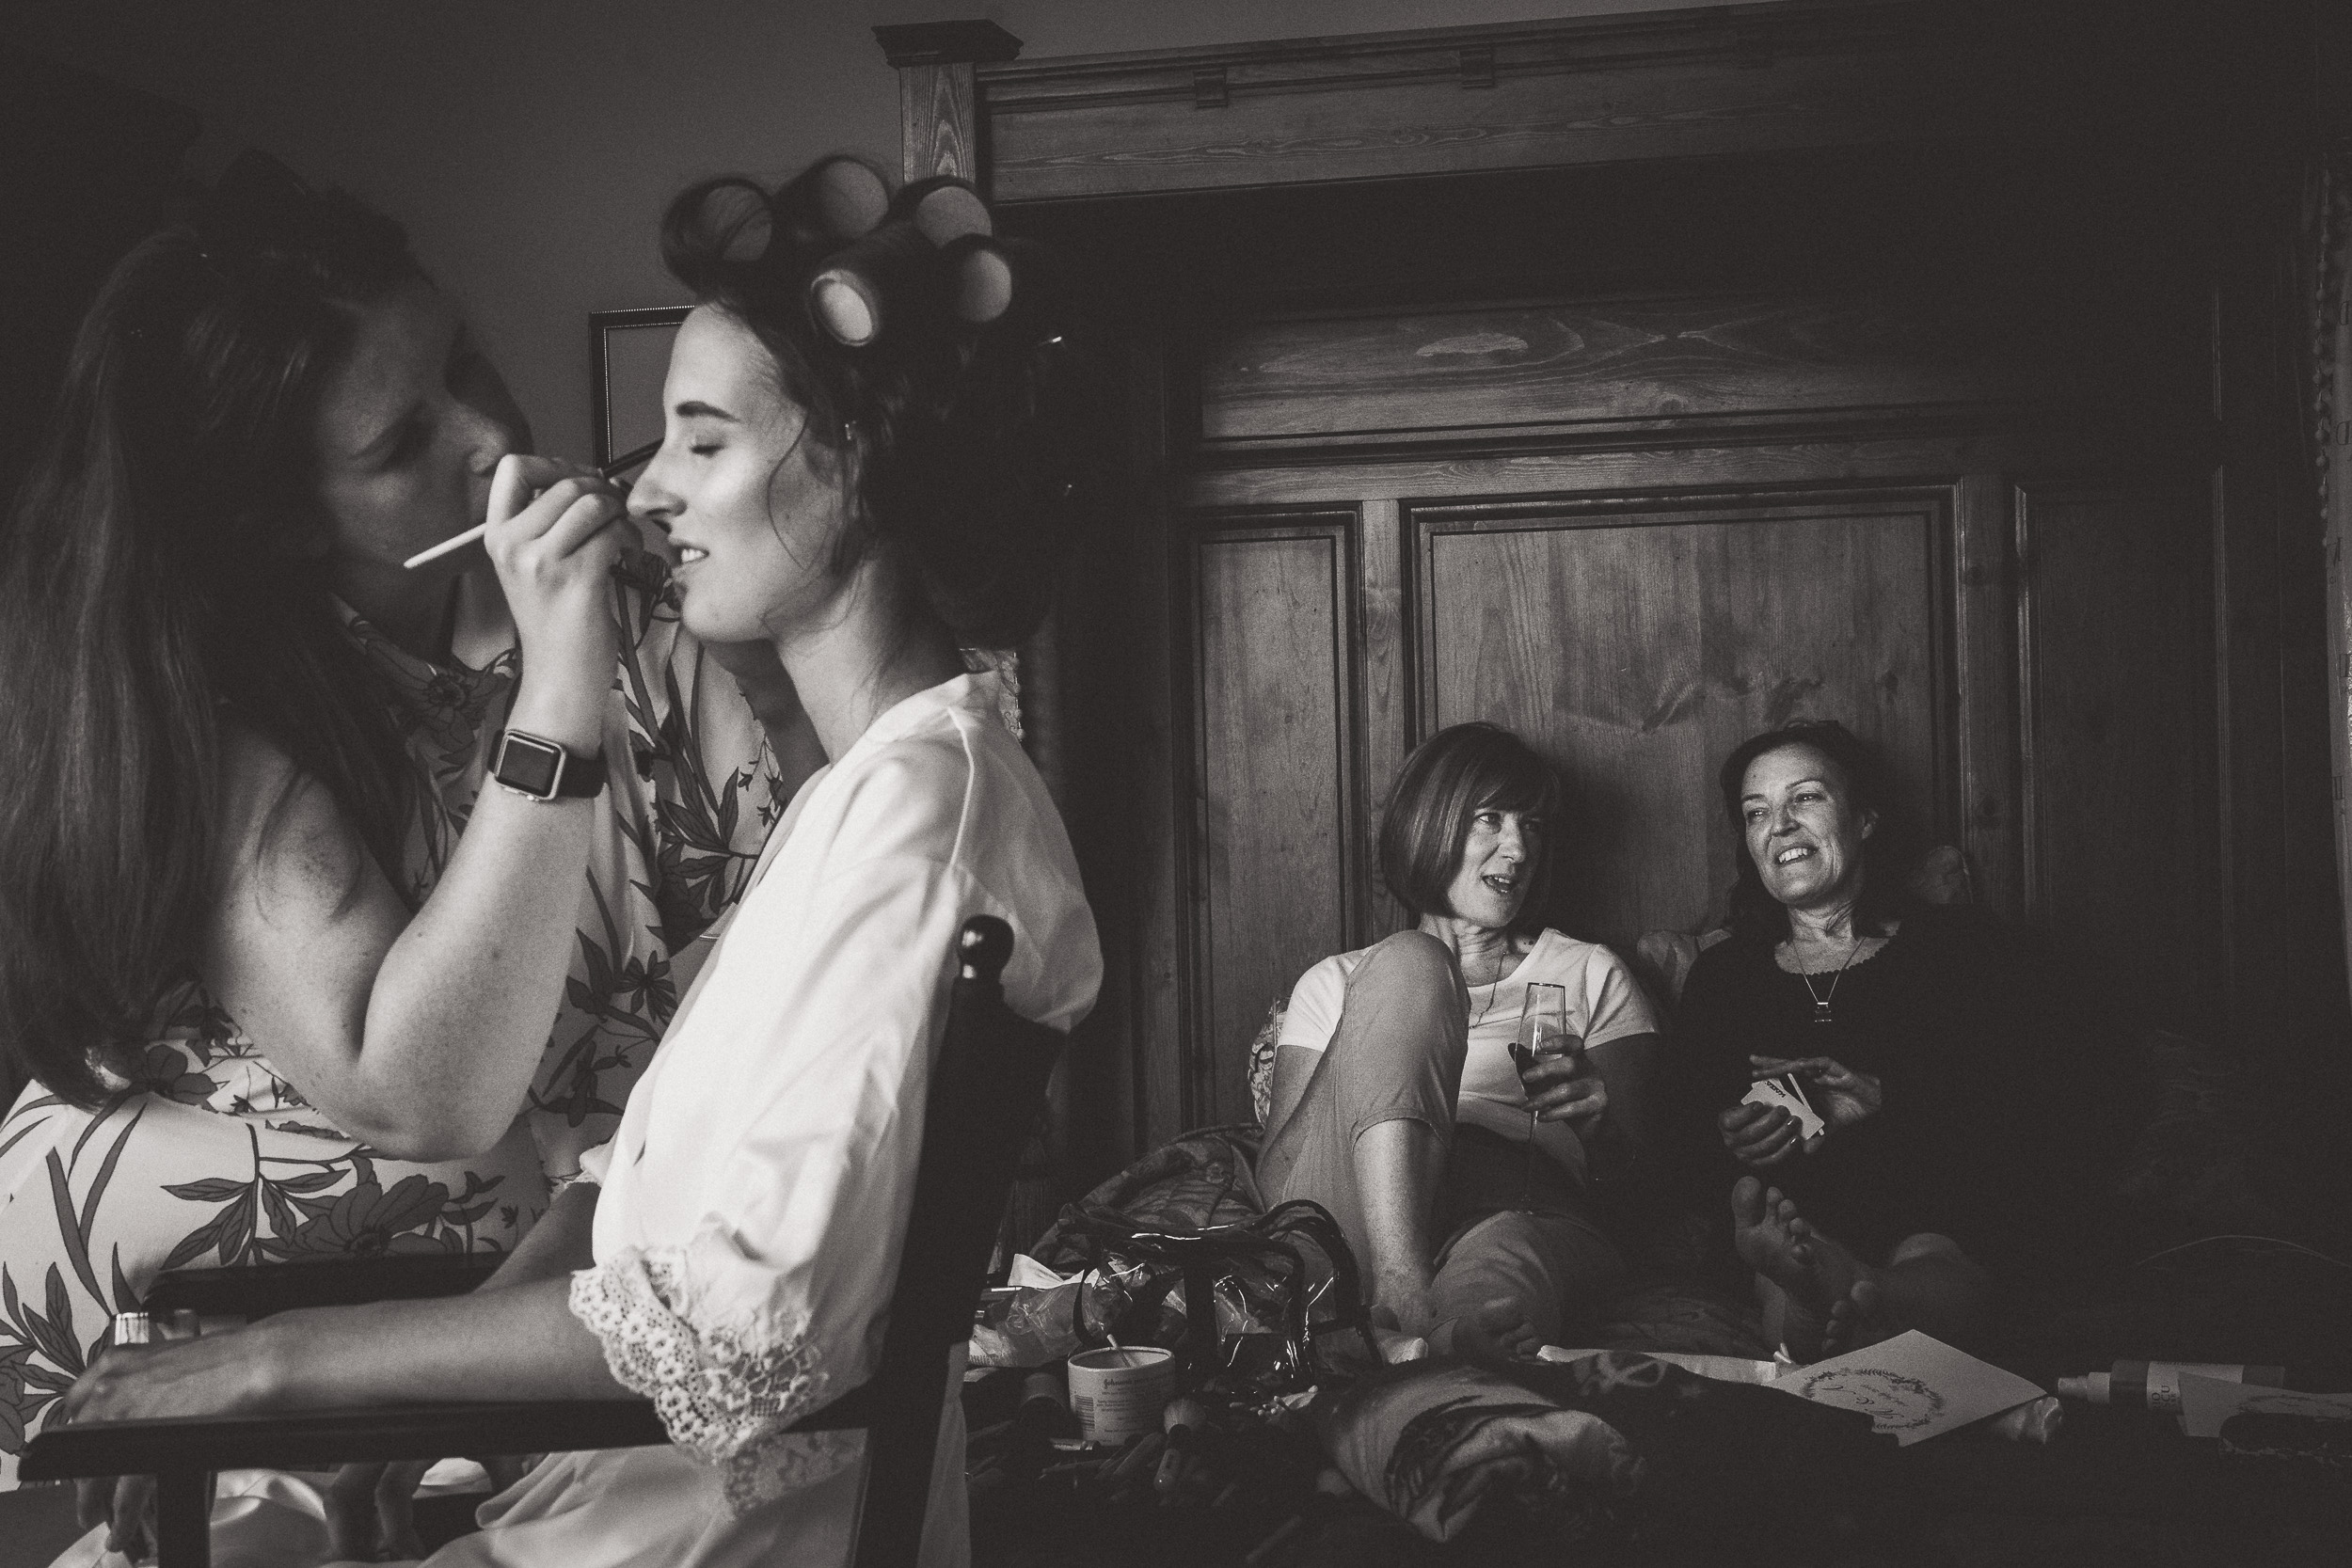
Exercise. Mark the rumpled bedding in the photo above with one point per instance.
(1599, 1446)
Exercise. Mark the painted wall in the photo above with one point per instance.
(529, 145)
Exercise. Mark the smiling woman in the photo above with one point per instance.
(758, 488)
(1943, 1060)
(1462, 1178)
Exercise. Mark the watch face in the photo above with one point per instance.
(529, 765)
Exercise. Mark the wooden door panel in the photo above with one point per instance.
(2123, 838)
(1274, 880)
(1636, 650)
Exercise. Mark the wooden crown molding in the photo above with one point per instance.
(1679, 84)
(1751, 35)
(946, 42)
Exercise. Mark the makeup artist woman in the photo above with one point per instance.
(279, 952)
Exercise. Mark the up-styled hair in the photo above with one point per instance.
(1450, 777)
(1755, 915)
(148, 594)
(969, 458)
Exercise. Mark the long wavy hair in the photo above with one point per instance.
(151, 591)
(1755, 915)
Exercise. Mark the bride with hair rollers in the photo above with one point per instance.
(867, 461)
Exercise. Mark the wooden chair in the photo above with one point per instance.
(990, 1078)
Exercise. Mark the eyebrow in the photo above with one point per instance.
(1758, 794)
(705, 411)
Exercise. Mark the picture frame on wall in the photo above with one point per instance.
(629, 353)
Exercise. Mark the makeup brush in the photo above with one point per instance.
(620, 464)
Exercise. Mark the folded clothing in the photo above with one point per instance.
(1606, 1445)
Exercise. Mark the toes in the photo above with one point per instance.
(1851, 1316)
(1747, 1200)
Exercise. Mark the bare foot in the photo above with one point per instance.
(1498, 1330)
(1816, 1275)
(1401, 1303)
(1857, 1320)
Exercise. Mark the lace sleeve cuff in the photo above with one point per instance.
(722, 1396)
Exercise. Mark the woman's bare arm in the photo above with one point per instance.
(418, 1036)
(518, 1343)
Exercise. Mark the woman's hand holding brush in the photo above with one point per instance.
(550, 536)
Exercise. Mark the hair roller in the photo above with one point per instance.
(931, 259)
(721, 227)
(740, 222)
(1044, 296)
(833, 200)
(878, 284)
(945, 208)
(979, 279)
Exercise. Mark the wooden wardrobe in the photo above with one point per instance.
(1639, 383)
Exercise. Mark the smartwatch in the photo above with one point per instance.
(541, 769)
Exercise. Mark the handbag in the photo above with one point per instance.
(1237, 1302)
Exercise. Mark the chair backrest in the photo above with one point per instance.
(985, 1089)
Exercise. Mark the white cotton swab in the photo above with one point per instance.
(620, 464)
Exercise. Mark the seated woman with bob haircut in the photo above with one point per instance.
(862, 510)
(1463, 1190)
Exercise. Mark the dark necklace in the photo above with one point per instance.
(1821, 1014)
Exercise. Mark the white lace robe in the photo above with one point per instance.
(748, 1232)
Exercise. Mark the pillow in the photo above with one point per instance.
(2190, 1170)
(1662, 960)
(1262, 1058)
(1943, 877)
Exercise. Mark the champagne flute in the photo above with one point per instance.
(1543, 1036)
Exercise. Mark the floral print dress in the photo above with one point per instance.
(205, 1157)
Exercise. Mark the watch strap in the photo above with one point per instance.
(577, 777)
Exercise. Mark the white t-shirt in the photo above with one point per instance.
(1605, 1005)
